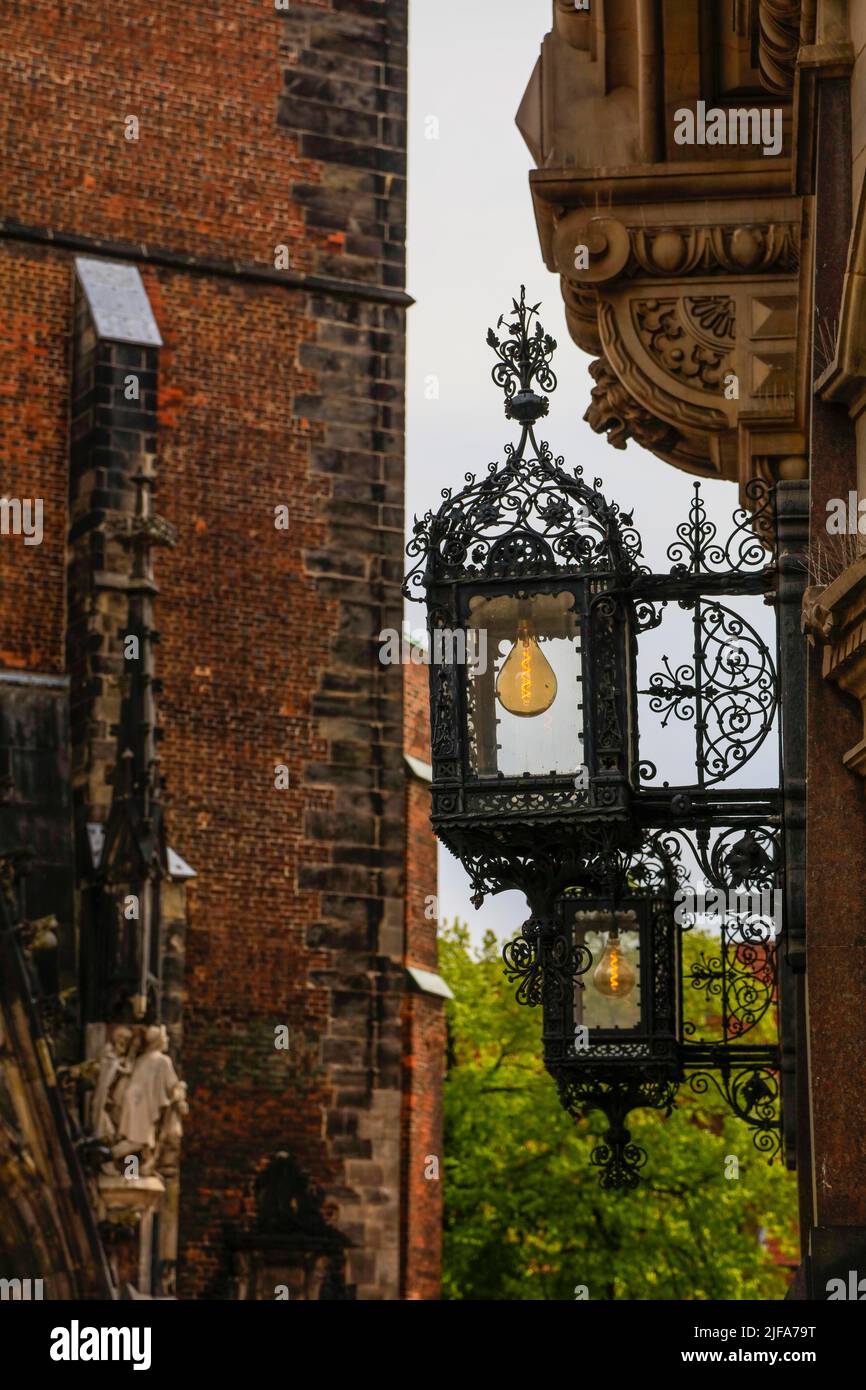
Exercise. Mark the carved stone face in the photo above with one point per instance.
(121, 1039)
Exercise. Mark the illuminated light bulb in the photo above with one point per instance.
(526, 685)
(613, 974)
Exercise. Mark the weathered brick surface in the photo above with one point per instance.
(228, 156)
(423, 1018)
(36, 316)
(424, 1048)
(305, 906)
(421, 907)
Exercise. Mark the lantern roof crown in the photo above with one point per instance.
(530, 515)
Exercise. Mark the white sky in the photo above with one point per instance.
(472, 242)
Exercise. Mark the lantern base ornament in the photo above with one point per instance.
(619, 1158)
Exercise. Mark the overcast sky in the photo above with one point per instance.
(472, 242)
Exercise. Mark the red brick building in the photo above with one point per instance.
(202, 234)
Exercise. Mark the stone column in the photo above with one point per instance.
(836, 829)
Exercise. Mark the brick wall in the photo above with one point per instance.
(421, 845)
(36, 317)
(423, 1017)
(257, 129)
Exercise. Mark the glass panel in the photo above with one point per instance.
(611, 996)
(525, 699)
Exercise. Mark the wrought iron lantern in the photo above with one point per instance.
(537, 596)
(525, 574)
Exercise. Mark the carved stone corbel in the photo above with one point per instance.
(695, 324)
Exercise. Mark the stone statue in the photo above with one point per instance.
(115, 1066)
(153, 1100)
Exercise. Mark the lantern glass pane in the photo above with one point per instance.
(611, 993)
(525, 697)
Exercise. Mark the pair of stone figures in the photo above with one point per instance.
(138, 1100)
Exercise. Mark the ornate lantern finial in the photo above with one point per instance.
(524, 357)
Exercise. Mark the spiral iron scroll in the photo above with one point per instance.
(544, 964)
(728, 692)
(752, 1093)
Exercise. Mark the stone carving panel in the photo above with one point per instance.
(715, 363)
(691, 339)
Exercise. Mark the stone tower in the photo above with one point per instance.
(205, 313)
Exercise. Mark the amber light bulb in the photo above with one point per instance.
(526, 685)
(613, 974)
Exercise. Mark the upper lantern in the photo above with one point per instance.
(525, 574)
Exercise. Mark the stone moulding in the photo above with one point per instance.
(836, 618)
(627, 247)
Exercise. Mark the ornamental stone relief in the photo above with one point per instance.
(667, 331)
(697, 324)
(711, 376)
(634, 388)
(711, 363)
(680, 267)
(615, 413)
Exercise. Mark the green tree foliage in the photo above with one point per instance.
(525, 1217)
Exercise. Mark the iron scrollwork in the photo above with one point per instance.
(698, 551)
(546, 964)
(752, 1093)
(531, 514)
(727, 691)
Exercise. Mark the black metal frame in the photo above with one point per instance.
(529, 526)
